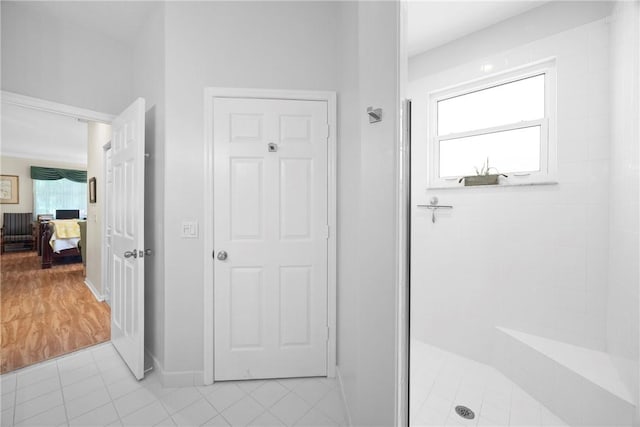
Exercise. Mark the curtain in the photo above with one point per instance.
(49, 196)
(52, 174)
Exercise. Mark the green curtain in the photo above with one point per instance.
(53, 174)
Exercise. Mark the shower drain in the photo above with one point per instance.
(465, 412)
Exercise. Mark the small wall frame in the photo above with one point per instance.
(9, 189)
(92, 190)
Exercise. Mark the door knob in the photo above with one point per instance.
(222, 255)
(129, 254)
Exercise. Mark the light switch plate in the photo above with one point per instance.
(189, 230)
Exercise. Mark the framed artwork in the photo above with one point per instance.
(9, 190)
(92, 190)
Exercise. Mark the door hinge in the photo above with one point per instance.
(327, 131)
(325, 231)
(327, 334)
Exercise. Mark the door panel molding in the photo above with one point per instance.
(297, 132)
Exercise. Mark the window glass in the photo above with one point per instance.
(48, 196)
(514, 102)
(516, 150)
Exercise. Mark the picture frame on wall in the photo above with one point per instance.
(92, 190)
(9, 189)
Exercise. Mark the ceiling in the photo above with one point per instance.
(435, 23)
(119, 20)
(38, 134)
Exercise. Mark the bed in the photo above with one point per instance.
(59, 242)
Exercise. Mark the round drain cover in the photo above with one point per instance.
(465, 412)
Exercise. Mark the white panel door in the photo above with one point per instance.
(127, 236)
(270, 220)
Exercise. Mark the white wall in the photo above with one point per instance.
(22, 168)
(149, 83)
(348, 204)
(99, 135)
(623, 321)
(528, 258)
(287, 45)
(371, 394)
(62, 61)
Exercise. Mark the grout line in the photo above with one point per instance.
(64, 403)
(104, 383)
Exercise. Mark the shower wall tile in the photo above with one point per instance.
(528, 258)
(622, 315)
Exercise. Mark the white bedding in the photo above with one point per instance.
(62, 244)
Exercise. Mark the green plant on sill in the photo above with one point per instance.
(483, 176)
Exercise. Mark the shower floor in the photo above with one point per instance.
(440, 380)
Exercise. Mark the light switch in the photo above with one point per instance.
(189, 230)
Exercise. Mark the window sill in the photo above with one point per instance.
(457, 186)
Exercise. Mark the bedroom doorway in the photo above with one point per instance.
(51, 303)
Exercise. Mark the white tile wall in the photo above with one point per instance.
(530, 258)
(623, 321)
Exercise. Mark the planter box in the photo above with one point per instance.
(472, 180)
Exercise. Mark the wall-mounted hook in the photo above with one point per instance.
(375, 115)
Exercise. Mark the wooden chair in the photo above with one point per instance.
(17, 229)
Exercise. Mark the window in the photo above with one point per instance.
(506, 120)
(48, 196)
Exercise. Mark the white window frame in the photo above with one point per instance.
(548, 143)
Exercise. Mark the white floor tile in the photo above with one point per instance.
(6, 417)
(73, 375)
(266, 419)
(167, 422)
(291, 383)
(75, 361)
(311, 391)
(333, 406)
(242, 412)
(101, 416)
(88, 402)
(316, 418)
(34, 390)
(497, 414)
(134, 401)
(36, 373)
(179, 399)
(269, 393)
(38, 405)
(250, 385)
(7, 383)
(8, 400)
(290, 409)
(496, 400)
(123, 386)
(195, 414)
(83, 387)
(218, 421)
(147, 416)
(223, 395)
(52, 417)
(94, 388)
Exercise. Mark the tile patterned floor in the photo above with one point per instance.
(440, 380)
(93, 387)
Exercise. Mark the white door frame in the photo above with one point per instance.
(330, 98)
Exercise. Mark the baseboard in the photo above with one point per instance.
(344, 397)
(174, 378)
(93, 290)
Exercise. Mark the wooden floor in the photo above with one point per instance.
(46, 313)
